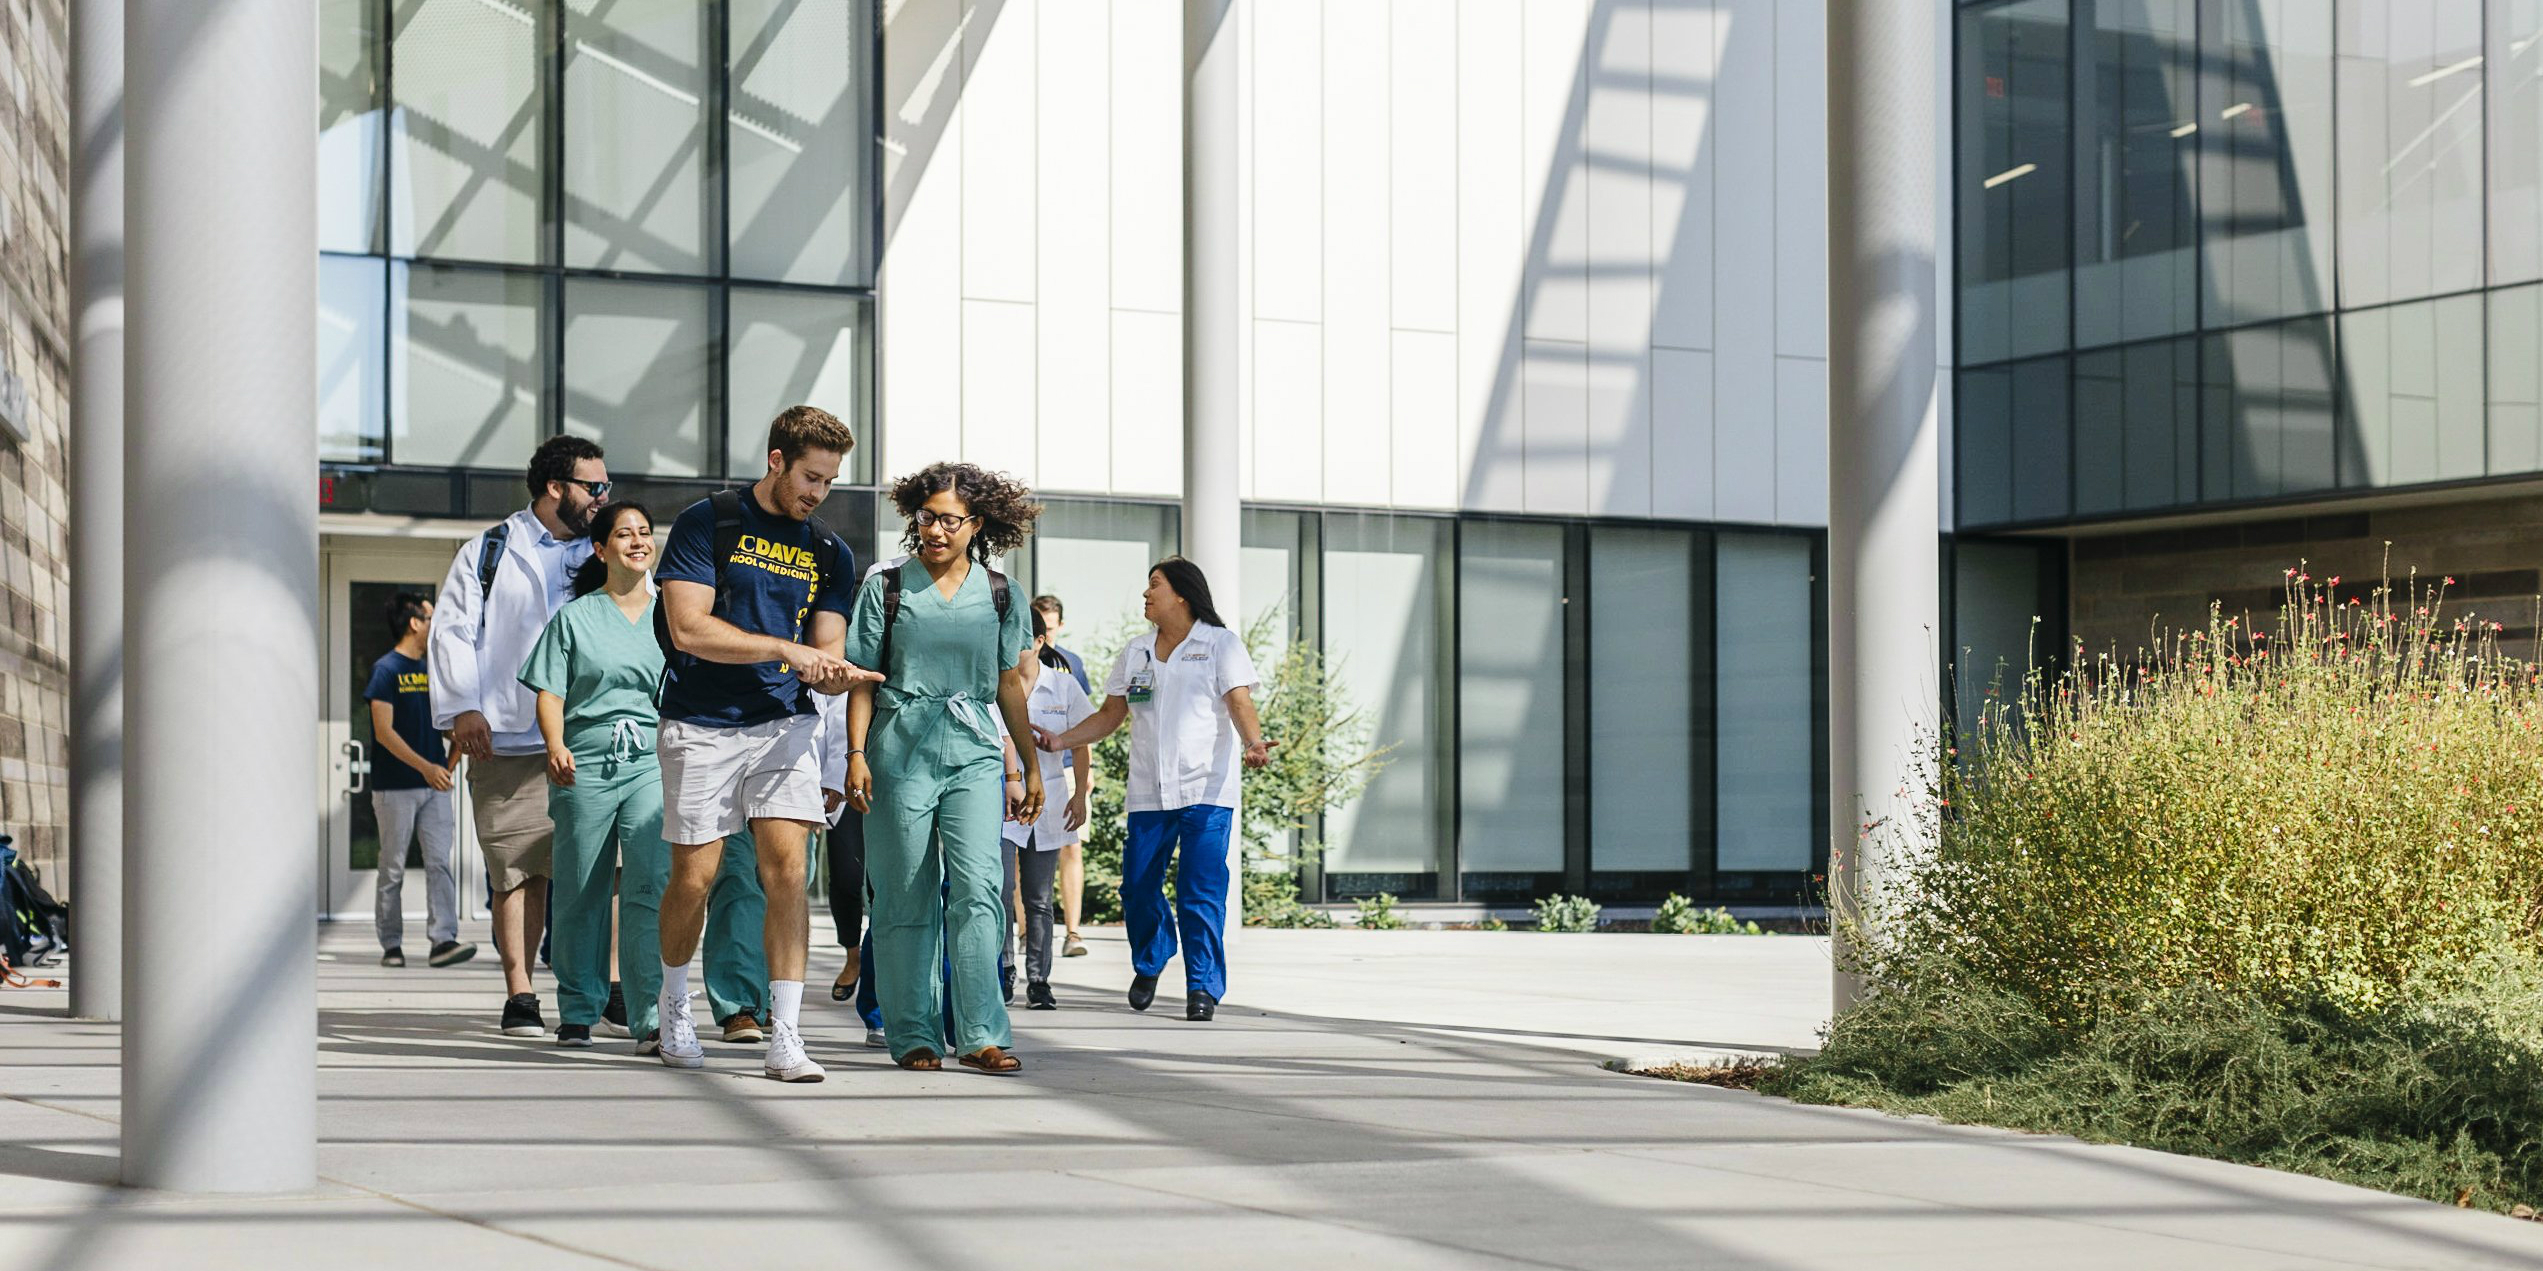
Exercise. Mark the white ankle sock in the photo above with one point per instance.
(675, 986)
(786, 1000)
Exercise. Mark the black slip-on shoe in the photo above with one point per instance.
(1143, 990)
(1200, 1007)
(1037, 997)
(521, 1016)
(451, 953)
(393, 957)
(573, 1034)
(613, 1013)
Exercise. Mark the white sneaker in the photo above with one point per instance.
(679, 1037)
(874, 1037)
(786, 1058)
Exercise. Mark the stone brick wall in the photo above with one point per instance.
(35, 476)
(2121, 585)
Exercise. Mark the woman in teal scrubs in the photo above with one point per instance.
(924, 759)
(595, 668)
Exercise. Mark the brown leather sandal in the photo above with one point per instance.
(921, 1060)
(991, 1060)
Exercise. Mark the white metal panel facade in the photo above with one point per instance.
(1552, 256)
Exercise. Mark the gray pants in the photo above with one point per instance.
(406, 815)
(1039, 869)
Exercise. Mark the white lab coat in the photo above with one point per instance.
(1057, 705)
(1184, 751)
(477, 646)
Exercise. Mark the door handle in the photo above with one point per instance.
(357, 769)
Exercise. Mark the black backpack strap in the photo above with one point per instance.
(727, 505)
(728, 530)
(490, 560)
(891, 580)
(827, 567)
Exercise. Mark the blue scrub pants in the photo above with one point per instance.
(1200, 893)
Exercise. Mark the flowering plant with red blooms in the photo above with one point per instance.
(2335, 801)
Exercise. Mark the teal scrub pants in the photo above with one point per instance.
(608, 839)
(609, 836)
(918, 804)
(736, 957)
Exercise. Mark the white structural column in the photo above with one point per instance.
(97, 508)
(221, 596)
(1884, 584)
(1213, 515)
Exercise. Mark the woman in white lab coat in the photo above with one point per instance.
(1187, 689)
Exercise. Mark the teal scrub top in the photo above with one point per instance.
(946, 659)
(606, 669)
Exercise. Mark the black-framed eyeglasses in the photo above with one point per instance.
(925, 519)
(596, 489)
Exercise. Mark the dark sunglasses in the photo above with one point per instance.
(596, 489)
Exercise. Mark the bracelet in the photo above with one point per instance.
(858, 751)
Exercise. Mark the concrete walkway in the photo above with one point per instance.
(1370, 1099)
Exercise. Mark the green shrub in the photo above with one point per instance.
(1566, 913)
(2332, 810)
(1271, 900)
(2269, 896)
(2436, 1099)
(1678, 915)
(1378, 913)
(1493, 924)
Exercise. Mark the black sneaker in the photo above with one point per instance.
(613, 1017)
(1006, 983)
(521, 1016)
(1037, 997)
(573, 1034)
(394, 957)
(1143, 990)
(451, 953)
(1200, 1007)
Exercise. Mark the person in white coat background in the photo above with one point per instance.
(1187, 689)
(1058, 703)
(503, 587)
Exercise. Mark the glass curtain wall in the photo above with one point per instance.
(1512, 671)
(1651, 766)
(1389, 612)
(1766, 774)
(2273, 287)
(644, 221)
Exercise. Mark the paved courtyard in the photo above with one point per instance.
(1377, 1099)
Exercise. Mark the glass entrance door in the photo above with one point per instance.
(361, 577)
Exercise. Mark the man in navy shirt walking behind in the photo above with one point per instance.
(410, 790)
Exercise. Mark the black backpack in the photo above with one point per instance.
(34, 927)
(1000, 594)
(728, 536)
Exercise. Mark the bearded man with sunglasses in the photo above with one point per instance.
(503, 587)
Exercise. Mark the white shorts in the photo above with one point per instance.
(716, 780)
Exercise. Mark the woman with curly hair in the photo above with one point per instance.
(924, 758)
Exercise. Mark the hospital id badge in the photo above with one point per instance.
(1143, 686)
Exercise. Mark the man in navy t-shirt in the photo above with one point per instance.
(757, 633)
(410, 790)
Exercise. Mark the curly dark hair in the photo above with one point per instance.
(1004, 505)
(554, 460)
